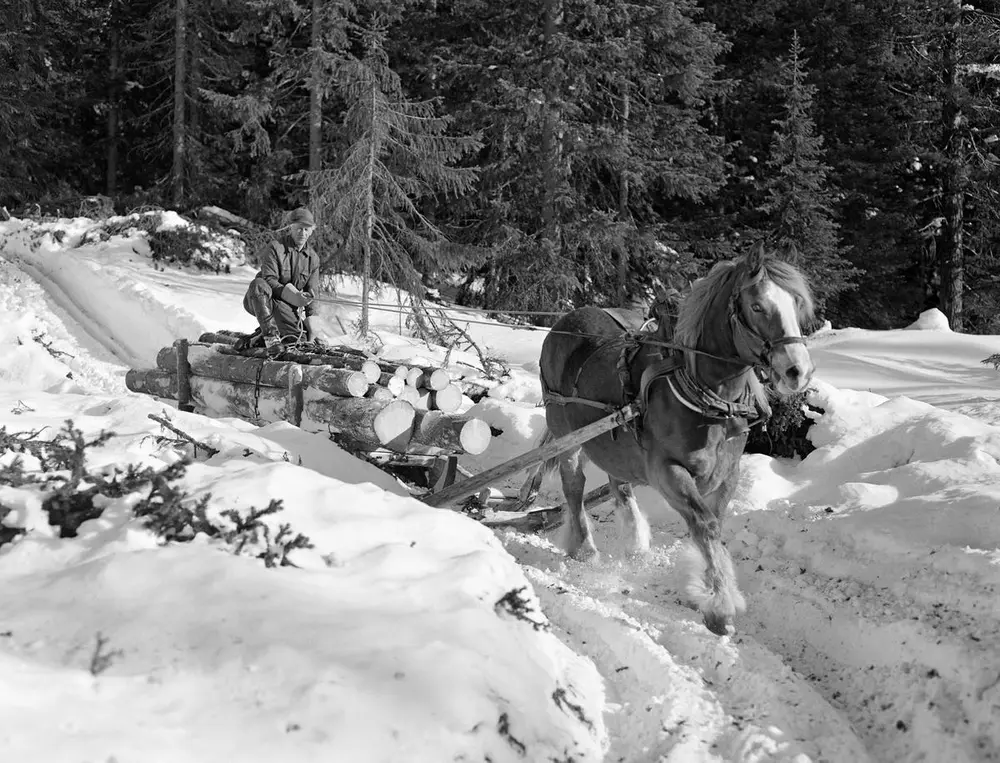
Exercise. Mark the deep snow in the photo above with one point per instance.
(870, 567)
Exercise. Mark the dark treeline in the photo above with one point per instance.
(542, 153)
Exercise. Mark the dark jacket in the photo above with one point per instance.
(281, 264)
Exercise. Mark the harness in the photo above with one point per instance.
(752, 349)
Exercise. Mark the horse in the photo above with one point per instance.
(697, 400)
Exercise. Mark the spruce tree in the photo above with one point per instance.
(798, 203)
(398, 154)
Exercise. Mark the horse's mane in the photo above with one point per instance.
(710, 295)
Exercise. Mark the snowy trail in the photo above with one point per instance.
(679, 692)
(907, 652)
(91, 332)
(831, 662)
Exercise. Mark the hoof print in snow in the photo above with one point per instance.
(519, 605)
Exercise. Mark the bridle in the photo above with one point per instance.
(752, 348)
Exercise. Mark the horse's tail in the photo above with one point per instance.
(533, 483)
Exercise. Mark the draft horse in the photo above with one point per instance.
(698, 394)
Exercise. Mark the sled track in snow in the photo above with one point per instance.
(93, 331)
(677, 692)
(824, 667)
(908, 655)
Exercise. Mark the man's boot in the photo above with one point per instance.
(273, 346)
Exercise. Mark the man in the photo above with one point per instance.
(285, 286)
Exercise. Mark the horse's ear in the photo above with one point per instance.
(755, 260)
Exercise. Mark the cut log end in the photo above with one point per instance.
(371, 371)
(415, 377)
(393, 425)
(475, 436)
(448, 399)
(436, 379)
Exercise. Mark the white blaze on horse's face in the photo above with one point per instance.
(791, 367)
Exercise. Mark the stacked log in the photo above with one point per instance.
(369, 403)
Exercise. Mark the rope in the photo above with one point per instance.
(524, 327)
(477, 310)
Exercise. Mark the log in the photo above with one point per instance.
(218, 361)
(415, 377)
(534, 456)
(220, 337)
(410, 395)
(448, 399)
(437, 432)
(364, 423)
(393, 383)
(207, 361)
(258, 405)
(152, 381)
(166, 359)
(436, 378)
(378, 392)
(342, 382)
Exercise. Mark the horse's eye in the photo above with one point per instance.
(756, 307)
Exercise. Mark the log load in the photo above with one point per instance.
(152, 381)
(368, 403)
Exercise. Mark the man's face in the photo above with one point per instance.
(300, 233)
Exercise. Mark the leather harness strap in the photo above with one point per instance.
(751, 406)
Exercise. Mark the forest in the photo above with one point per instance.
(539, 154)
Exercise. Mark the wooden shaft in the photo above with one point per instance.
(536, 455)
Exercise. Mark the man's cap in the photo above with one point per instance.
(301, 215)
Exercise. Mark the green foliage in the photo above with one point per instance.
(785, 434)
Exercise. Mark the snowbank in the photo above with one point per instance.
(389, 641)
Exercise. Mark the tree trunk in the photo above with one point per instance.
(180, 58)
(623, 189)
(114, 53)
(192, 122)
(551, 128)
(951, 250)
(369, 221)
(316, 90)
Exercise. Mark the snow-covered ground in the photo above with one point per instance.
(871, 567)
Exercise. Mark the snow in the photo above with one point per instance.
(871, 567)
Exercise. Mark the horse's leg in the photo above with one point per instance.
(635, 524)
(711, 581)
(578, 540)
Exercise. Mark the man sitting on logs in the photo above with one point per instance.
(284, 289)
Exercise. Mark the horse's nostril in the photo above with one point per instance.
(793, 373)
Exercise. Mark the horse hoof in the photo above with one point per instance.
(720, 626)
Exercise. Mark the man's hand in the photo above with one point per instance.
(294, 297)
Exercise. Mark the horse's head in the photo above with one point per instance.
(769, 305)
